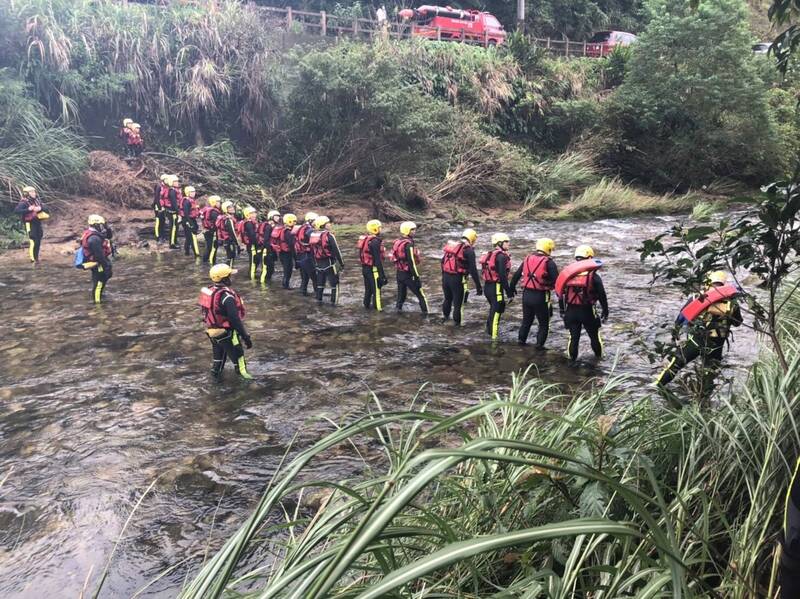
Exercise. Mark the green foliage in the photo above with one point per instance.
(533, 493)
(560, 179)
(692, 107)
(33, 150)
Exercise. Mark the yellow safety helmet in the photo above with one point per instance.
(135, 126)
(95, 219)
(545, 245)
(221, 271)
(311, 217)
(374, 227)
(407, 227)
(499, 238)
(213, 200)
(174, 180)
(289, 219)
(320, 222)
(189, 189)
(126, 122)
(28, 189)
(584, 251)
(226, 204)
(718, 277)
(164, 177)
(470, 235)
(248, 211)
(272, 214)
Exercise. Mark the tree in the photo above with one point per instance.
(693, 107)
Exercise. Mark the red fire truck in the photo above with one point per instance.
(447, 23)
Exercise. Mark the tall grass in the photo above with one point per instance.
(559, 179)
(535, 493)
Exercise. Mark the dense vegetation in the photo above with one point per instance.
(415, 122)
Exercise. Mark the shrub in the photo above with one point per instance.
(558, 180)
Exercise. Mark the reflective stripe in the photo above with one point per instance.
(194, 244)
(495, 324)
(173, 235)
(464, 299)
(213, 255)
(253, 262)
(376, 276)
(98, 290)
(263, 266)
(158, 227)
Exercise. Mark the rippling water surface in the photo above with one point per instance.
(97, 402)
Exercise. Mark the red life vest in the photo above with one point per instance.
(579, 290)
(30, 215)
(242, 232)
(277, 239)
(453, 260)
(194, 209)
(320, 244)
(399, 254)
(364, 255)
(489, 265)
(534, 273)
(87, 252)
(210, 302)
(301, 233)
(223, 234)
(165, 203)
(261, 233)
(134, 139)
(210, 214)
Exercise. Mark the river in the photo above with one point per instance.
(97, 402)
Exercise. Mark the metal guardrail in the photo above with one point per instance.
(327, 25)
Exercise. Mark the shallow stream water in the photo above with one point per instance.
(97, 402)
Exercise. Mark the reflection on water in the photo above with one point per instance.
(99, 401)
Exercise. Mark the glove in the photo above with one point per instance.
(479, 290)
(604, 316)
(512, 293)
(382, 281)
(248, 343)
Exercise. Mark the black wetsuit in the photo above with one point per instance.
(374, 276)
(229, 344)
(584, 316)
(536, 303)
(190, 229)
(267, 254)
(410, 279)
(287, 258)
(210, 235)
(172, 218)
(496, 293)
(456, 289)
(328, 269)
(707, 337)
(160, 231)
(230, 245)
(305, 259)
(250, 240)
(33, 227)
(102, 272)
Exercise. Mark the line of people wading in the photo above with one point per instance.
(311, 248)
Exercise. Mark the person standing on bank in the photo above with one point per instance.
(538, 273)
(32, 212)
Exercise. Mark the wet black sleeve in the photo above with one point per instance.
(552, 271)
(377, 260)
(173, 200)
(96, 248)
(412, 260)
(232, 314)
(335, 251)
(290, 241)
(472, 266)
(517, 275)
(22, 208)
(250, 229)
(502, 272)
(186, 209)
(597, 283)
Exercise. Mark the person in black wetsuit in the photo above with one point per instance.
(406, 260)
(189, 213)
(226, 232)
(208, 216)
(97, 252)
(161, 190)
(370, 254)
(283, 244)
(303, 255)
(223, 314)
(458, 264)
(248, 233)
(496, 266)
(578, 307)
(173, 207)
(538, 273)
(32, 212)
(707, 336)
(328, 260)
(268, 255)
